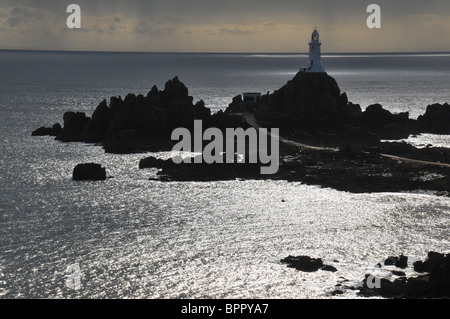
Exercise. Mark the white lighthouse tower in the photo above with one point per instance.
(315, 60)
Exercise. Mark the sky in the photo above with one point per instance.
(269, 26)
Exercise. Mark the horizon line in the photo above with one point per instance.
(230, 53)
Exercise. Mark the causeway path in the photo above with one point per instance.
(250, 119)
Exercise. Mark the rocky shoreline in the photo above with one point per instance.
(310, 108)
(432, 280)
(347, 170)
(429, 279)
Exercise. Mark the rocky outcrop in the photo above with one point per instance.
(48, 131)
(123, 124)
(201, 171)
(385, 124)
(310, 108)
(311, 104)
(306, 264)
(434, 284)
(375, 116)
(434, 260)
(399, 262)
(89, 171)
(236, 105)
(74, 127)
(436, 119)
(307, 96)
(123, 142)
(153, 162)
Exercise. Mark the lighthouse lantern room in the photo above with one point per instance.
(315, 60)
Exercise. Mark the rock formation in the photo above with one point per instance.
(436, 119)
(434, 284)
(200, 171)
(123, 123)
(306, 264)
(312, 104)
(307, 95)
(89, 171)
(48, 131)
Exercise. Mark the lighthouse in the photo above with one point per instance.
(315, 60)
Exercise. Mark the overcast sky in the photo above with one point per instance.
(225, 25)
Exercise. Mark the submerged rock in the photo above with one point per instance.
(89, 171)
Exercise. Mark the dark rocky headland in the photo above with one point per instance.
(309, 109)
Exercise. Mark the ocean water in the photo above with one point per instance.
(135, 238)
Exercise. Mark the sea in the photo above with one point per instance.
(131, 237)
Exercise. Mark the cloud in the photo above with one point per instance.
(225, 25)
(148, 28)
(19, 15)
(235, 31)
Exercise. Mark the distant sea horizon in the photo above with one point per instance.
(324, 53)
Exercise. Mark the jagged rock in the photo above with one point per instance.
(99, 123)
(90, 171)
(402, 262)
(236, 105)
(375, 115)
(307, 95)
(434, 285)
(74, 126)
(48, 131)
(353, 110)
(154, 92)
(343, 100)
(201, 112)
(427, 265)
(56, 129)
(122, 143)
(436, 119)
(385, 124)
(399, 262)
(177, 103)
(390, 261)
(150, 116)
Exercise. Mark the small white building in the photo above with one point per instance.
(315, 56)
(251, 97)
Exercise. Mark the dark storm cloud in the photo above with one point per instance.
(186, 9)
(19, 15)
(221, 24)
